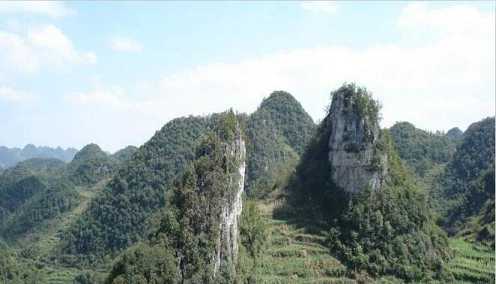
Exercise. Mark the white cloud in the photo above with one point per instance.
(47, 8)
(43, 45)
(437, 84)
(326, 7)
(114, 97)
(125, 44)
(11, 95)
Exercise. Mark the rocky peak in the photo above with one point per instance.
(355, 160)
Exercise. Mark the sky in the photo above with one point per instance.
(113, 73)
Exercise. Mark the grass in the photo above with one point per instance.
(46, 241)
(293, 255)
(472, 263)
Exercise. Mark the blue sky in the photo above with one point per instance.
(113, 73)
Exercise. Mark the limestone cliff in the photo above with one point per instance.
(227, 243)
(355, 162)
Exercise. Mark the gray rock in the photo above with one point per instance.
(227, 243)
(355, 161)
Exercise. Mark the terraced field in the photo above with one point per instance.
(293, 255)
(472, 263)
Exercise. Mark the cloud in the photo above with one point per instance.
(113, 97)
(439, 83)
(42, 45)
(10, 95)
(326, 7)
(125, 44)
(44, 8)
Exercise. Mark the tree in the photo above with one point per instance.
(252, 231)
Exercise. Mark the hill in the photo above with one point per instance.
(277, 133)
(351, 183)
(423, 151)
(90, 165)
(117, 217)
(11, 156)
(466, 193)
(124, 154)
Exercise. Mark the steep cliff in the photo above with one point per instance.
(199, 228)
(351, 182)
(354, 135)
(227, 244)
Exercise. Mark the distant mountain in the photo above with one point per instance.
(455, 134)
(467, 185)
(11, 156)
(278, 132)
(90, 165)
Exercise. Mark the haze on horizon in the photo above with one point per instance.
(112, 73)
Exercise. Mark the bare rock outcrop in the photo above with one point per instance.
(355, 160)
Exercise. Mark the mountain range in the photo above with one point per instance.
(266, 197)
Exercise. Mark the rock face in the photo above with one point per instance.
(355, 162)
(227, 244)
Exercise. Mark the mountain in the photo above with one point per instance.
(351, 183)
(125, 154)
(455, 134)
(421, 150)
(32, 192)
(200, 224)
(467, 185)
(90, 165)
(277, 133)
(11, 156)
(118, 217)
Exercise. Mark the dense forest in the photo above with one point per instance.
(266, 197)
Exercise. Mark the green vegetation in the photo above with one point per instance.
(253, 232)
(156, 214)
(90, 165)
(288, 252)
(388, 231)
(9, 157)
(189, 237)
(125, 154)
(422, 150)
(466, 194)
(117, 218)
(472, 263)
(277, 134)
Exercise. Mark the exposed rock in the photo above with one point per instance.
(355, 160)
(227, 244)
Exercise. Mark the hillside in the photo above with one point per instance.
(200, 222)
(423, 151)
(20, 184)
(339, 202)
(278, 132)
(117, 217)
(352, 184)
(124, 154)
(467, 186)
(11, 156)
(90, 165)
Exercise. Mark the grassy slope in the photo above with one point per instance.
(293, 255)
(45, 242)
(472, 263)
